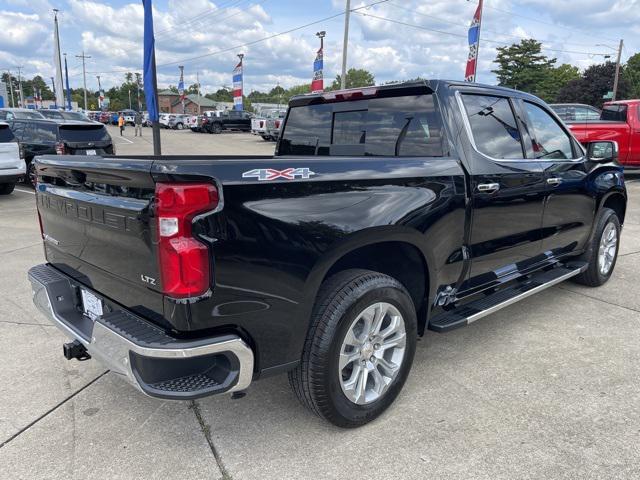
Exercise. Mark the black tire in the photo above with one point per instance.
(179, 126)
(340, 301)
(31, 178)
(266, 138)
(216, 128)
(6, 188)
(593, 276)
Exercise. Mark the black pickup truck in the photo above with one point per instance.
(387, 211)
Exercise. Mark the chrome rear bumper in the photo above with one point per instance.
(156, 363)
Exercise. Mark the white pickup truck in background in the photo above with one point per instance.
(12, 166)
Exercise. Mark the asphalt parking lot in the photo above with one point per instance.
(546, 388)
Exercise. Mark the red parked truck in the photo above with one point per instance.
(620, 122)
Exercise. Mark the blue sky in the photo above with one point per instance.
(432, 45)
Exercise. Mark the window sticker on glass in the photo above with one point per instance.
(425, 127)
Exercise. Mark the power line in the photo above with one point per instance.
(584, 32)
(269, 37)
(484, 29)
(198, 18)
(170, 36)
(444, 32)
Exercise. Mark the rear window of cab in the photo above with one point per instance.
(393, 126)
(6, 135)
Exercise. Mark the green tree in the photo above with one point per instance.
(631, 73)
(523, 66)
(595, 82)
(556, 79)
(356, 77)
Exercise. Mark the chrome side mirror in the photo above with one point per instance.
(604, 151)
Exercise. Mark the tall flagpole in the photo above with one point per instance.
(58, 60)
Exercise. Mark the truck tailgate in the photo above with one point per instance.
(96, 225)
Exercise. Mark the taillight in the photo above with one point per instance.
(184, 261)
(352, 94)
(277, 123)
(261, 124)
(61, 149)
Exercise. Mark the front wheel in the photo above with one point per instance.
(359, 349)
(603, 250)
(179, 126)
(216, 128)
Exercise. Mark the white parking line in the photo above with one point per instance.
(24, 191)
(125, 139)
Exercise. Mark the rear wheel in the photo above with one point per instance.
(6, 188)
(31, 178)
(359, 349)
(266, 138)
(179, 126)
(603, 250)
(216, 128)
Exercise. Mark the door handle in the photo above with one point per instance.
(488, 187)
(555, 181)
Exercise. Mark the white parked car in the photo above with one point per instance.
(12, 165)
(164, 120)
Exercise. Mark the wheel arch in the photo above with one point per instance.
(390, 250)
(616, 200)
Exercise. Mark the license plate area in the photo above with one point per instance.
(91, 304)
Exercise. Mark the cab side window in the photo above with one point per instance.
(493, 125)
(549, 139)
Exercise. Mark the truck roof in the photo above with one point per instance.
(623, 102)
(394, 89)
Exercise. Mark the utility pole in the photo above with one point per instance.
(84, 76)
(181, 87)
(345, 44)
(129, 91)
(198, 84)
(13, 102)
(20, 87)
(615, 81)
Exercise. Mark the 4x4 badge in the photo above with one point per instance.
(272, 174)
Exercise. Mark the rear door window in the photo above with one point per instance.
(44, 132)
(6, 135)
(395, 126)
(493, 125)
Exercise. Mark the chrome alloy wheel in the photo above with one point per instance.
(607, 249)
(372, 353)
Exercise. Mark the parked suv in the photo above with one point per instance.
(42, 137)
(177, 121)
(12, 166)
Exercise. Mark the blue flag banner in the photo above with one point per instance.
(148, 69)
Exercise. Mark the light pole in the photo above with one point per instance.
(345, 43)
(617, 75)
(13, 102)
